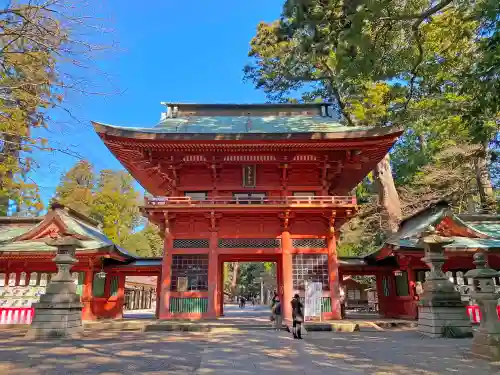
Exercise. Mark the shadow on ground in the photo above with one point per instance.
(236, 352)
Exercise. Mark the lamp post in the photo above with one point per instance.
(59, 312)
(486, 341)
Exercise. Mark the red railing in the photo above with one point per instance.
(16, 315)
(289, 201)
(475, 314)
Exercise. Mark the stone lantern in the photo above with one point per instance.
(59, 312)
(441, 311)
(486, 341)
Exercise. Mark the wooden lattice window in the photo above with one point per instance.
(192, 267)
(113, 286)
(310, 267)
(80, 281)
(353, 294)
(242, 243)
(385, 286)
(402, 287)
(309, 243)
(98, 285)
(190, 244)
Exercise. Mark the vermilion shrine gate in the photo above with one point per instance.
(247, 183)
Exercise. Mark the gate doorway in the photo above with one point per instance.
(140, 297)
(257, 277)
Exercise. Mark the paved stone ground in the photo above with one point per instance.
(239, 353)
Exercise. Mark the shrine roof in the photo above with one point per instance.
(457, 244)
(475, 231)
(59, 220)
(227, 128)
(487, 224)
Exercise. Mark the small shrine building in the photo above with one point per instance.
(26, 263)
(399, 267)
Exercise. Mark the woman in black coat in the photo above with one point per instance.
(297, 317)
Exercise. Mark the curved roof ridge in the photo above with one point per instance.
(284, 134)
(472, 228)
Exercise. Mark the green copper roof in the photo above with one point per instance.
(8, 233)
(458, 243)
(252, 124)
(41, 246)
(91, 238)
(487, 224)
(411, 228)
(478, 225)
(473, 243)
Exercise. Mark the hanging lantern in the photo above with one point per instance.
(101, 274)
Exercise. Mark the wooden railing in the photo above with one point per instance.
(291, 200)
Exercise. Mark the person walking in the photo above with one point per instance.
(275, 297)
(297, 317)
(276, 310)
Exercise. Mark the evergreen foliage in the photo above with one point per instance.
(110, 198)
(432, 67)
(44, 46)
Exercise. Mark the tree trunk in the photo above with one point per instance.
(422, 142)
(483, 180)
(234, 280)
(387, 195)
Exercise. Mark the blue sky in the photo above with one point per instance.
(171, 50)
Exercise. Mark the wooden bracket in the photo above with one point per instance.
(284, 175)
(286, 216)
(214, 220)
(331, 219)
(167, 222)
(215, 174)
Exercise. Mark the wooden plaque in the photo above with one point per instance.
(249, 178)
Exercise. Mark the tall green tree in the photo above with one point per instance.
(110, 198)
(45, 46)
(146, 242)
(77, 188)
(116, 204)
(417, 63)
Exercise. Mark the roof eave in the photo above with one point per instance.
(105, 130)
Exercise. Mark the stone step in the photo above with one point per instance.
(206, 326)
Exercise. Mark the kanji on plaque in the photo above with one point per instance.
(249, 176)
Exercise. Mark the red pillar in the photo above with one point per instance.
(158, 294)
(213, 272)
(166, 274)
(87, 295)
(286, 290)
(333, 270)
(120, 295)
(220, 297)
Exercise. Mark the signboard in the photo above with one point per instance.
(313, 300)
(249, 179)
(182, 284)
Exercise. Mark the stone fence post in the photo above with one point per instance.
(59, 312)
(486, 343)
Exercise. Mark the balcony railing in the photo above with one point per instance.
(287, 201)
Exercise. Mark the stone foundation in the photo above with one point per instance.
(444, 321)
(486, 345)
(59, 312)
(53, 320)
